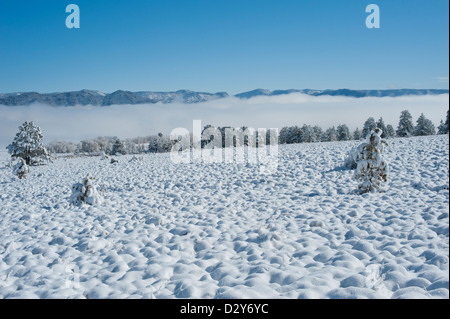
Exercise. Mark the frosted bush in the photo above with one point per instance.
(352, 158)
(86, 193)
(21, 168)
(371, 169)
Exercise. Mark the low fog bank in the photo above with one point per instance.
(128, 121)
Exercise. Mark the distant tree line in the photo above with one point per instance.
(242, 136)
(405, 128)
(113, 145)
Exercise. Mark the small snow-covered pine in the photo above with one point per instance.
(21, 168)
(86, 193)
(371, 169)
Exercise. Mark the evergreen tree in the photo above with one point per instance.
(390, 132)
(317, 131)
(371, 169)
(153, 144)
(357, 134)
(330, 135)
(444, 127)
(405, 126)
(284, 135)
(343, 133)
(424, 127)
(368, 127)
(382, 127)
(118, 148)
(307, 134)
(296, 136)
(27, 144)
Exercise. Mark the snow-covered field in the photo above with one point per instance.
(170, 230)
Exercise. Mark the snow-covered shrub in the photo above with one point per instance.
(21, 169)
(352, 158)
(371, 169)
(86, 193)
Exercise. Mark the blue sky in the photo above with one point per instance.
(217, 45)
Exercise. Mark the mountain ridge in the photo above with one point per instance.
(97, 98)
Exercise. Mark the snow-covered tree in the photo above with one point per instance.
(27, 144)
(369, 126)
(343, 133)
(285, 135)
(444, 126)
(371, 170)
(165, 144)
(85, 193)
(382, 127)
(390, 132)
(153, 144)
(118, 148)
(357, 134)
(296, 136)
(330, 135)
(89, 146)
(405, 126)
(424, 127)
(307, 134)
(318, 132)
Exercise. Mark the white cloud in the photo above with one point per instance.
(124, 121)
(442, 79)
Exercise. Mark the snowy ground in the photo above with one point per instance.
(225, 231)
